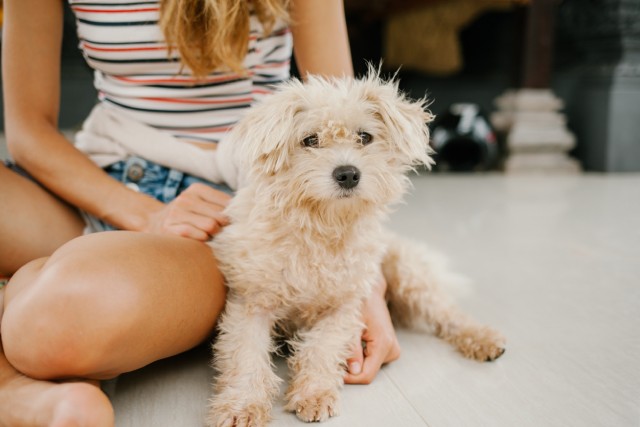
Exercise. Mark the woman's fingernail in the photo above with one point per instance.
(354, 368)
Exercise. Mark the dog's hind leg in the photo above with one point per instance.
(246, 384)
(417, 280)
(317, 364)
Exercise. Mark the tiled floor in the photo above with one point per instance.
(555, 263)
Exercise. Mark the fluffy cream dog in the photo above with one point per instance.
(325, 160)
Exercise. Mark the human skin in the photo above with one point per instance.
(58, 320)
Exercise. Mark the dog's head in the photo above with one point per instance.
(336, 139)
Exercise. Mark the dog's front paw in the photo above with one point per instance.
(318, 407)
(232, 415)
(480, 343)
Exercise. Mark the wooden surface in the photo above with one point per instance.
(554, 261)
(537, 50)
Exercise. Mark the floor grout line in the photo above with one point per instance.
(399, 389)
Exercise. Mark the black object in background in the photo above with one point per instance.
(464, 140)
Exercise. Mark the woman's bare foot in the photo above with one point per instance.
(29, 403)
(25, 402)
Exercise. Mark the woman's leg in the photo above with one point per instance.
(27, 402)
(109, 303)
(33, 222)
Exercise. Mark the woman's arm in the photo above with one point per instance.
(31, 82)
(380, 342)
(32, 37)
(320, 40)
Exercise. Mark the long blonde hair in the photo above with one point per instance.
(214, 34)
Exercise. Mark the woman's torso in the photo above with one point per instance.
(134, 73)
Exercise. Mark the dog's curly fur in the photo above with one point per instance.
(304, 249)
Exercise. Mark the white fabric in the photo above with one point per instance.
(108, 136)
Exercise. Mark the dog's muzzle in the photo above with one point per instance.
(347, 176)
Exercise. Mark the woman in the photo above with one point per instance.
(93, 306)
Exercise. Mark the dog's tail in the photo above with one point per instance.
(420, 285)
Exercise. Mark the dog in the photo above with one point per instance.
(325, 161)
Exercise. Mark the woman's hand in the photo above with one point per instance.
(381, 344)
(197, 213)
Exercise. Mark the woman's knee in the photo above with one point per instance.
(57, 325)
(92, 312)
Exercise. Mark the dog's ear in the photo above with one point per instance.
(265, 137)
(405, 120)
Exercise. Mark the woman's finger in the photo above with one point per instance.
(209, 194)
(371, 365)
(209, 225)
(189, 231)
(193, 203)
(354, 363)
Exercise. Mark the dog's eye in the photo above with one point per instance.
(365, 138)
(311, 141)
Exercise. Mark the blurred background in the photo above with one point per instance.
(517, 85)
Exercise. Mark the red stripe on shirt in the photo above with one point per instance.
(200, 101)
(201, 130)
(84, 9)
(177, 79)
(262, 91)
(121, 49)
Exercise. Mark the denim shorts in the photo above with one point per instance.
(159, 182)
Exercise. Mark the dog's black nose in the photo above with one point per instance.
(347, 177)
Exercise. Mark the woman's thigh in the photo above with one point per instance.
(33, 222)
(110, 302)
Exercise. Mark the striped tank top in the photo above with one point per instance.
(122, 41)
